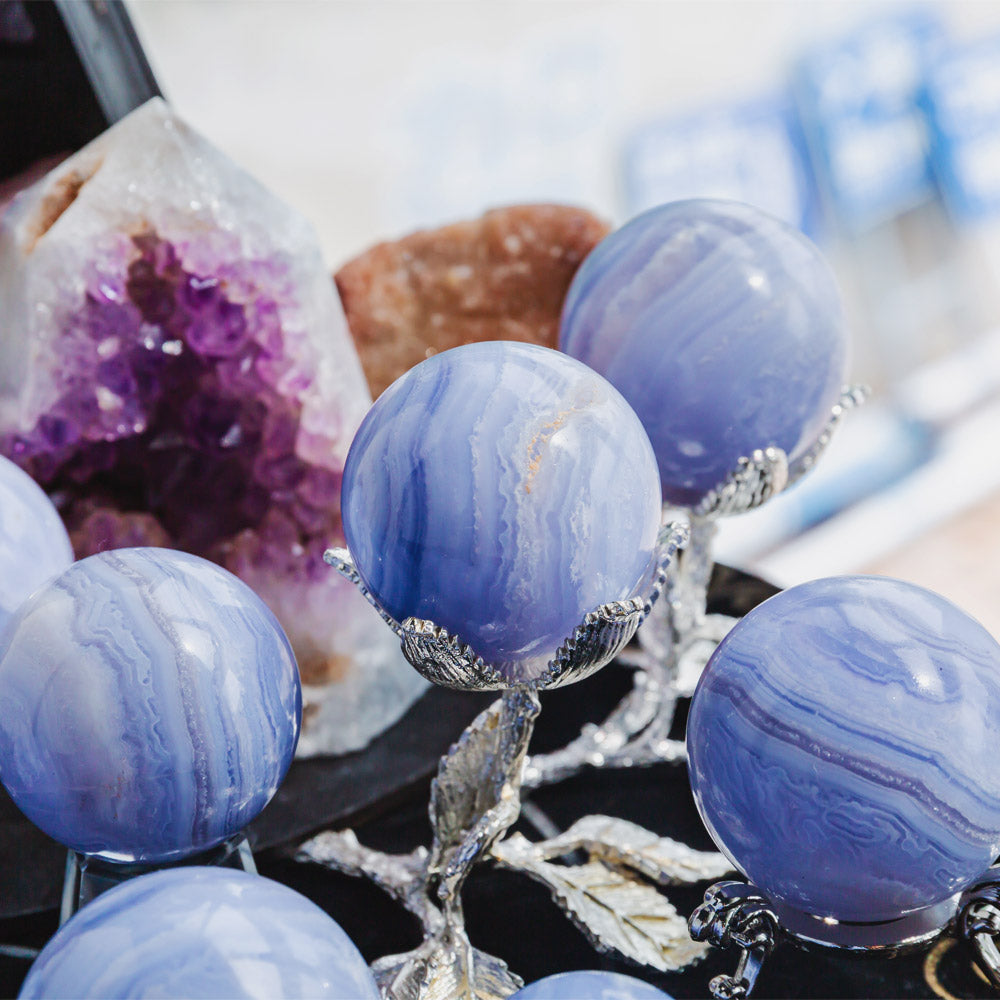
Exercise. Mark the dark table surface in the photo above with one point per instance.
(382, 793)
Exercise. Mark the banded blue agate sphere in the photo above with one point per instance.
(201, 933)
(149, 705)
(34, 545)
(590, 985)
(503, 491)
(842, 748)
(722, 326)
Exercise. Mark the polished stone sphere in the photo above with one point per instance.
(843, 746)
(34, 545)
(502, 490)
(590, 986)
(721, 326)
(149, 705)
(201, 933)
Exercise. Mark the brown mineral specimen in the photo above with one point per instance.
(501, 277)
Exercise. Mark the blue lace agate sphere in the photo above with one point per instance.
(34, 545)
(503, 491)
(842, 746)
(201, 933)
(590, 986)
(721, 326)
(149, 705)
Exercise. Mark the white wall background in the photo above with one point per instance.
(375, 116)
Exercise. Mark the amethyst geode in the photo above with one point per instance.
(175, 369)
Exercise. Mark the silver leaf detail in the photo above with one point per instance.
(445, 660)
(851, 397)
(673, 536)
(597, 639)
(343, 562)
(476, 794)
(615, 910)
(623, 844)
(756, 478)
(444, 967)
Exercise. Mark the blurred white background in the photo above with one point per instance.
(373, 116)
(875, 127)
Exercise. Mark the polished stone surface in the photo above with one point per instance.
(201, 933)
(590, 986)
(175, 364)
(842, 747)
(721, 326)
(149, 705)
(503, 491)
(34, 545)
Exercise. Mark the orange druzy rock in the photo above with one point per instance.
(500, 277)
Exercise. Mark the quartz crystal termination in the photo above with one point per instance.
(201, 933)
(176, 368)
(721, 326)
(34, 545)
(149, 706)
(862, 742)
(502, 491)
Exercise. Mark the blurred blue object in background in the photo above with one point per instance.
(751, 151)
(858, 98)
(962, 102)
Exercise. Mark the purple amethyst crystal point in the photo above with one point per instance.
(842, 748)
(175, 363)
(722, 327)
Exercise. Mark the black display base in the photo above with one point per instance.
(382, 792)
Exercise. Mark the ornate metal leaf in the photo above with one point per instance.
(755, 479)
(444, 659)
(614, 909)
(600, 637)
(624, 844)
(766, 472)
(343, 562)
(606, 631)
(475, 796)
(851, 397)
(673, 536)
(443, 968)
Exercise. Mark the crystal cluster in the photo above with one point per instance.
(842, 746)
(503, 491)
(201, 933)
(723, 328)
(149, 705)
(176, 370)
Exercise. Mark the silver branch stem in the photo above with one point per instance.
(476, 797)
